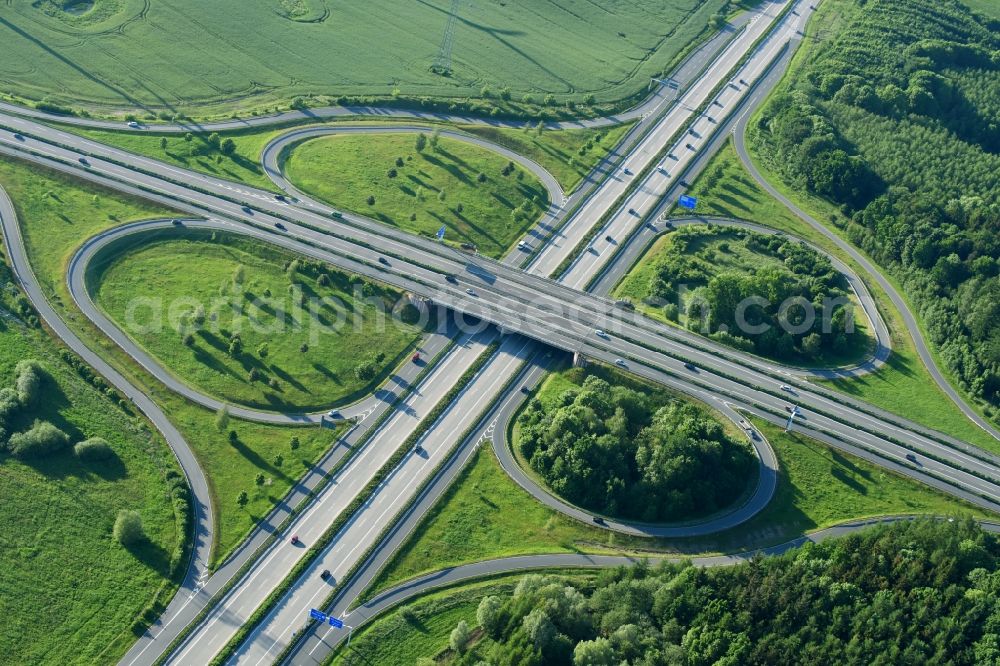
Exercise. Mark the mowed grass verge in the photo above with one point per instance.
(485, 515)
(304, 328)
(902, 385)
(568, 154)
(69, 592)
(478, 196)
(219, 58)
(57, 214)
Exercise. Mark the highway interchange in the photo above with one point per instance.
(544, 311)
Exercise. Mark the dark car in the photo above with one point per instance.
(598, 520)
(279, 225)
(83, 161)
(295, 540)
(609, 239)
(689, 147)
(325, 575)
(912, 458)
(525, 390)
(279, 197)
(383, 261)
(631, 211)
(176, 223)
(247, 210)
(691, 367)
(19, 137)
(451, 278)
(337, 214)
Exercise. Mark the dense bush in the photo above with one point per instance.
(29, 375)
(914, 593)
(897, 119)
(42, 439)
(128, 529)
(801, 276)
(614, 450)
(93, 450)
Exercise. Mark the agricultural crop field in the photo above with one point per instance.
(181, 54)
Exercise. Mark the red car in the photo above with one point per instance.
(416, 357)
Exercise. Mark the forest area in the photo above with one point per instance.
(918, 592)
(895, 117)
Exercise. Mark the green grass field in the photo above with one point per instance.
(56, 214)
(717, 255)
(484, 514)
(988, 8)
(459, 186)
(336, 321)
(69, 592)
(221, 57)
(903, 385)
(567, 154)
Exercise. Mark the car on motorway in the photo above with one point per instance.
(743, 81)
(295, 540)
(83, 161)
(598, 520)
(415, 358)
(451, 278)
(521, 245)
(325, 575)
(609, 238)
(600, 333)
(525, 389)
(470, 291)
(625, 304)
(335, 415)
(280, 197)
(247, 210)
(383, 261)
(691, 366)
(176, 222)
(133, 124)
(18, 137)
(786, 388)
(280, 226)
(912, 458)
(337, 214)
(631, 211)
(663, 170)
(418, 449)
(683, 183)
(689, 147)
(626, 171)
(620, 363)
(592, 250)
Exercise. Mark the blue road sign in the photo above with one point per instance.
(319, 615)
(440, 233)
(334, 622)
(687, 202)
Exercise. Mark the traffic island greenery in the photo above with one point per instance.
(57, 214)
(252, 325)
(916, 592)
(479, 197)
(622, 447)
(697, 276)
(568, 154)
(902, 385)
(485, 515)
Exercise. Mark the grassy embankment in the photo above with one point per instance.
(69, 591)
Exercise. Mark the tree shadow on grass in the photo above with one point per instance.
(151, 555)
(328, 373)
(288, 379)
